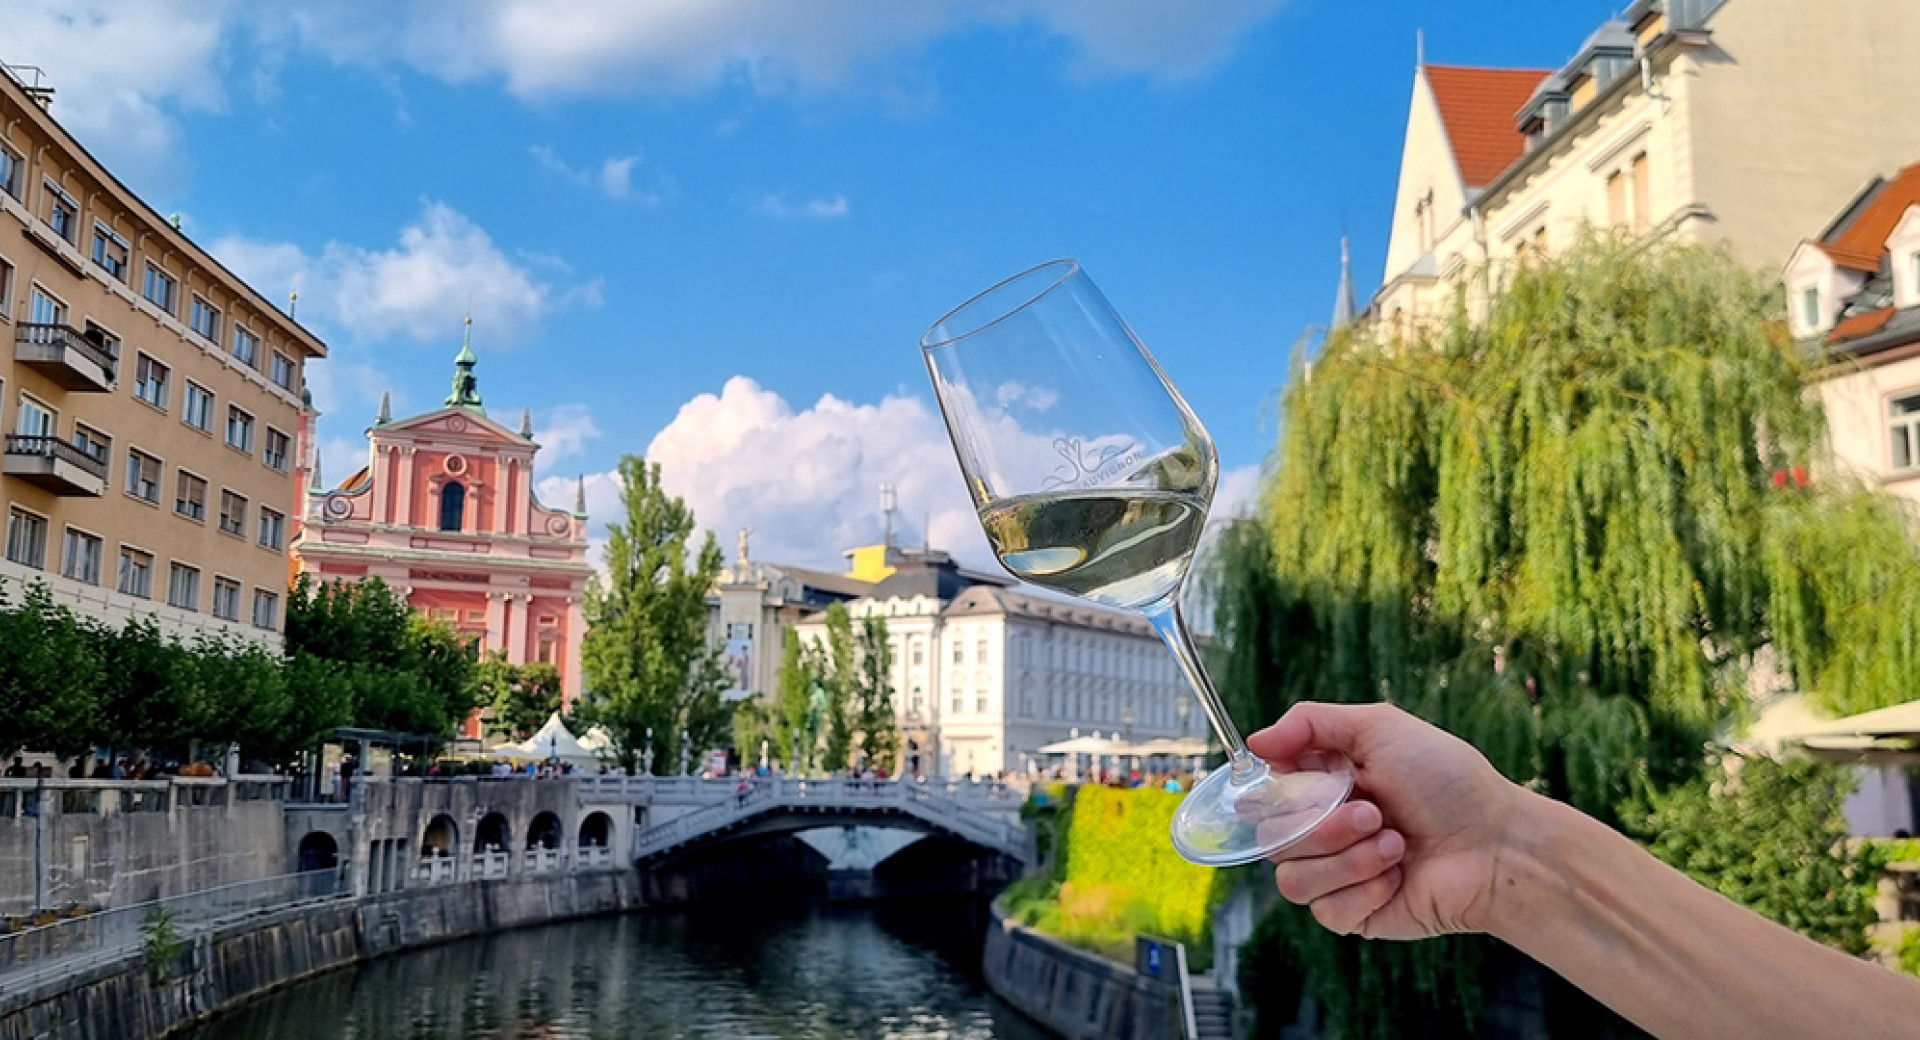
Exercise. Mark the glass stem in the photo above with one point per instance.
(1168, 619)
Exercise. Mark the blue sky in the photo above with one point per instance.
(714, 231)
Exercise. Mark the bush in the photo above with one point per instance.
(1114, 875)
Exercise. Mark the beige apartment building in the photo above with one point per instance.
(149, 399)
(1744, 122)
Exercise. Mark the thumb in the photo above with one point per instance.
(1313, 726)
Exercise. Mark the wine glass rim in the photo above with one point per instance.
(1068, 268)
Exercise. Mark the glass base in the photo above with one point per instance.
(1241, 815)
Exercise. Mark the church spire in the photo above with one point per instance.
(466, 389)
(580, 497)
(1343, 305)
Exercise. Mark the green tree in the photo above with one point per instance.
(49, 676)
(799, 672)
(1556, 531)
(647, 659)
(1770, 837)
(875, 718)
(840, 679)
(401, 671)
(522, 697)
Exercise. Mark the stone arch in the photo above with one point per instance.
(441, 838)
(596, 831)
(318, 851)
(545, 832)
(494, 833)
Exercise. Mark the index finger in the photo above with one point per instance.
(1311, 726)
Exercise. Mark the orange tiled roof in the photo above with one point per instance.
(1860, 324)
(1858, 245)
(1478, 106)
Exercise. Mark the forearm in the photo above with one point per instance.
(1676, 958)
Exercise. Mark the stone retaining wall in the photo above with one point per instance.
(1076, 994)
(121, 1001)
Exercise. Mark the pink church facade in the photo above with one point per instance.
(445, 512)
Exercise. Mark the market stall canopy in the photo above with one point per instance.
(1183, 747)
(1884, 735)
(1085, 746)
(552, 742)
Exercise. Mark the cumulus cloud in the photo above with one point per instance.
(565, 431)
(118, 69)
(805, 481)
(776, 205)
(443, 267)
(124, 70)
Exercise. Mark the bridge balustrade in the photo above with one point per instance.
(543, 861)
(492, 866)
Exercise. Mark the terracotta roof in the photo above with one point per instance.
(1858, 243)
(1860, 324)
(1478, 106)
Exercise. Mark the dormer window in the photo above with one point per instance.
(1810, 318)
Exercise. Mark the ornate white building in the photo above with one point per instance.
(985, 675)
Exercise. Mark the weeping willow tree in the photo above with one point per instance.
(1555, 529)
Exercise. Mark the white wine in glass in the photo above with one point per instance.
(1093, 478)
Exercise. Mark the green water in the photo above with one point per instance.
(906, 971)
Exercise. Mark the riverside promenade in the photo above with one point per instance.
(130, 908)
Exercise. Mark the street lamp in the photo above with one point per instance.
(686, 748)
(646, 756)
(1181, 707)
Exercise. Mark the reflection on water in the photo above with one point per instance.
(907, 971)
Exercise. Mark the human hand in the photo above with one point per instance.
(1416, 852)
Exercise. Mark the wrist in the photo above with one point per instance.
(1530, 866)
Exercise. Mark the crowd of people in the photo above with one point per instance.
(122, 767)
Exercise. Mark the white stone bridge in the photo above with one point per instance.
(684, 813)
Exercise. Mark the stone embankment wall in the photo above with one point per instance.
(124, 1001)
(112, 843)
(1079, 995)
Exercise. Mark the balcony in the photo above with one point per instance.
(66, 357)
(55, 465)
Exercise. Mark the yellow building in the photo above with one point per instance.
(1742, 122)
(150, 400)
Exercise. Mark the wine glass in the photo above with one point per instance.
(1093, 478)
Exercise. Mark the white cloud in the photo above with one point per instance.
(124, 70)
(549, 47)
(565, 432)
(1038, 398)
(776, 205)
(806, 482)
(119, 69)
(443, 267)
(614, 176)
(1237, 493)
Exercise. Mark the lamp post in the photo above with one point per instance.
(686, 748)
(646, 767)
(1181, 708)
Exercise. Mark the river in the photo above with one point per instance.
(894, 971)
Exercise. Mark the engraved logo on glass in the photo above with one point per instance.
(1086, 466)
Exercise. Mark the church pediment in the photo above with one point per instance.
(451, 422)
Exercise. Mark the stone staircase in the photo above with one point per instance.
(1212, 1012)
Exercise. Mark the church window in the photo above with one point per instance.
(453, 506)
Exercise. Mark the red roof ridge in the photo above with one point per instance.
(1478, 109)
(1859, 243)
(1857, 325)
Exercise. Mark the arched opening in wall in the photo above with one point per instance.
(318, 851)
(545, 832)
(493, 834)
(453, 505)
(441, 838)
(596, 831)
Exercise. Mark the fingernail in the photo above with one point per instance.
(1392, 845)
(1367, 816)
